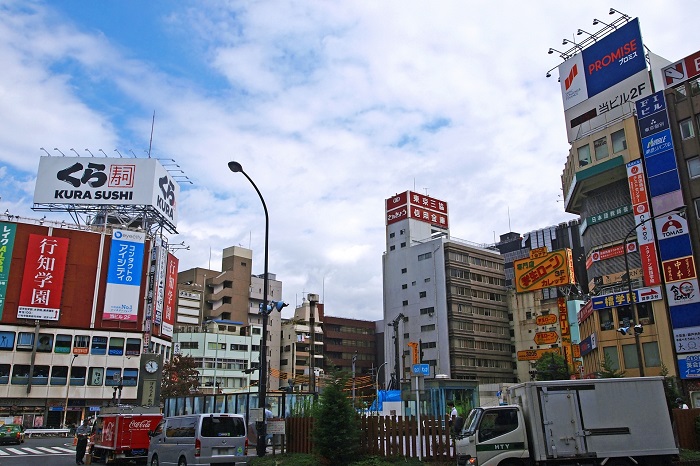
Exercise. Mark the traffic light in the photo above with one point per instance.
(623, 330)
(638, 329)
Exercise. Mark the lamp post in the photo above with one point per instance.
(65, 403)
(632, 299)
(262, 382)
(377, 383)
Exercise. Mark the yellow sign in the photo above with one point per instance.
(538, 252)
(534, 355)
(546, 338)
(554, 269)
(577, 351)
(548, 319)
(414, 352)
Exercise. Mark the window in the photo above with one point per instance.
(584, 155)
(133, 346)
(427, 310)
(7, 341)
(131, 377)
(404, 286)
(611, 353)
(63, 344)
(645, 313)
(694, 167)
(686, 127)
(402, 231)
(619, 143)
(81, 343)
(99, 345)
(405, 302)
(45, 343)
(606, 319)
(695, 86)
(113, 376)
(651, 354)
(403, 245)
(25, 341)
(391, 235)
(77, 375)
(59, 375)
(629, 353)
(681, 93)
(391, 248)
(116, 346)
(498, 422)
(20, 374)
(96, 376)
(425, 256)
(404, 270)
(422, 294)
(4, 374)
(601, 148)
(427, 328)
(40, 376)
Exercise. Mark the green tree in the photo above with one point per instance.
(180, 377)
(608, 368)
(336, 433)
(551, 366)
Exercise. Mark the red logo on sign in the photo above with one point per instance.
(570, 79)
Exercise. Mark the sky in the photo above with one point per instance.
(330, 107)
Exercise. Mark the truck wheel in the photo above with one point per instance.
(154, 461)
(182, 461)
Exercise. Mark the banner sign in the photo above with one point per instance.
(161, 252)
(7, 244)
(42, 281)
(609, 215)
(416, 206)
(621, 298)
(554, 269)
(682, 70)
(645, 232)
(169, 301)
(124, 275)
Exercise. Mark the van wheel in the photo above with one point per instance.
(154, 461)
(182, 461)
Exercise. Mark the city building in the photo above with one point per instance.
(302, 362)
(218, 322)
(444, 301)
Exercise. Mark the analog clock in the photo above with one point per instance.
(151, 366)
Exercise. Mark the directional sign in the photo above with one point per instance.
(421, 369)
(546, 338)
(534, 355)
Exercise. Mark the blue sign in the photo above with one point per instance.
(421, 369)
(614, 58)
(653, 124)
(689, 366)
(650, 105)
(657, 143)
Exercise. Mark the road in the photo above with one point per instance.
(56, 451)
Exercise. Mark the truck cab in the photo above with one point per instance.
(492, 435)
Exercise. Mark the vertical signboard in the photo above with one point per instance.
(645, 231)
(170, 300)
(7, 243)
(124, 276)
(675, 249)
(161, 251)
(42, 281)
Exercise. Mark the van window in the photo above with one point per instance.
(219, 426)
(180, 427)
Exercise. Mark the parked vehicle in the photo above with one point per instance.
(199, 439)
(12, 433)
(120, 434)
(611, 422)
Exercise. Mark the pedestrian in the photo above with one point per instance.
(82, 433)
(453, 411)
(268, 415)
(680, 404)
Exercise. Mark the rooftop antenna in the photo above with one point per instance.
(150, 143)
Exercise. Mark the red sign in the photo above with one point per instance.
(650, 265)
(609, 253)
(427, 216)
(563, 317)
(428, 203)
(682, 70)
(586, 312)
(396, 215)
(397, 201)
(418, 207)
(42, 282)
(169, 301)
(638, 191)
(679, 269)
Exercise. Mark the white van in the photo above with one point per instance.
(211, 439)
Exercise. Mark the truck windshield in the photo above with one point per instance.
(472, 421)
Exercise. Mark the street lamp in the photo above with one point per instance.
(262, 381)
(633, 302)
(377, 383)
(65, 404)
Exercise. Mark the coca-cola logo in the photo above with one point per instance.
(140, 425)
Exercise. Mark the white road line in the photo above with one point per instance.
(16, 451)
(31, 450)
(64, 449)
(4, 453)
(50, 450)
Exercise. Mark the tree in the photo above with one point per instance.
(336, 432)
(551, 366)
(180, 377)
(608, 369)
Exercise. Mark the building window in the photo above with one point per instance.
(601, 148)
(427, 310)
(116, 346)
(681, 93)
(427, 280)
(404, 270)
(619, 143)
(404, 286)
(391, 235)
(7, 341)
(610, 352)
(651, 354)
(20, 374)
(686, 127)
(422, 294)
(96, 376)
(4, 374)
(131, 377)
(133, 346)
(403, 230)
(403, 245)
(77, 375)
(584, 155)
(391, 248)
(425, 256)
(59, 375)
(99, 345)
(696, 201)
(113, 376)
(694, 167)
(606, 319)
(25, 341)
(427, 328)
(695, 86)
(405, 302)
(63, 344)
(81, 343)
(45, 343)
(629, 353)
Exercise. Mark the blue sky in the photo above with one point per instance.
(331, 107)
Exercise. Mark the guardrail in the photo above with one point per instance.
(53, 432)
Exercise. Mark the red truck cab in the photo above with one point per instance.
(123, 436)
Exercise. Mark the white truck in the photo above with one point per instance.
(597, 422)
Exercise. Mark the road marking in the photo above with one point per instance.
(16, 451)
(64, 449)
(47, 449)
(31, 450)
(4, 453)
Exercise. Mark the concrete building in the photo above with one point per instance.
(444, 299)
(302, 346)
(219, 324)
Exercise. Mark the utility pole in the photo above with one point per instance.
(354, 359)
(313, 300)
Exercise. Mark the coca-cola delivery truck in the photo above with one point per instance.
(120, 434)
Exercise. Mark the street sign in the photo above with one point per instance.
(546, 338)
(547, 319)
(421, 369)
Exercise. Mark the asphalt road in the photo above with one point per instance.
(54, 451)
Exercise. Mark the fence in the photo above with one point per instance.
(386, 436)
(684, 425)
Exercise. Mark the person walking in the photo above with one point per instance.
(82, 432)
